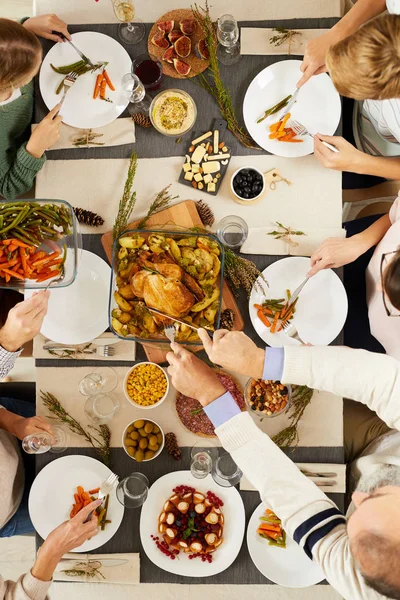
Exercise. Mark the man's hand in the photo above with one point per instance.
(46, 134)
(334, 253)
(24, 321)
(234, 351)
(347, 159)
(192, 377)
(44, 25)
(314, 56)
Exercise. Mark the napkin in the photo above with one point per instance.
(340, 477)
(124, 349)
(256, 40)
(128, 573)
(259, 242)
(119, 132)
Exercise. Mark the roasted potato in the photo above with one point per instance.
(206, 302)
(211, 312)
(149, 323)
(122, 303)
(122, 317)
(122, 253)
(134, 241)
(207, 244)
(204, 260)
(119, 327)
(187, 241)
(127, 292)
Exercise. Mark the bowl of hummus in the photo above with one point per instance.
(173, 112)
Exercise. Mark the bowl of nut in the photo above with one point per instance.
(146, 385)
(143, 440)
(267, 398)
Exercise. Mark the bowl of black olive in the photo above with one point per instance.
(247, 184)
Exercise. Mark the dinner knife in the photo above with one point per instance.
(289, 105)
(295, 294)
(83, 56)
(161, 314)
(105, 562)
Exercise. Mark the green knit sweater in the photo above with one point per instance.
(18, 168)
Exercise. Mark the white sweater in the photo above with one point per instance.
(308, 515)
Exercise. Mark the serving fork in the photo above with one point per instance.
(106, 487)
(300, 129)
(169, 331)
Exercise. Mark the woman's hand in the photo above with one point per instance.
(46, 134)
(314, 56)
(334, 253)
(24, 321)
(21, 426)
(44, 25)
(347, 159)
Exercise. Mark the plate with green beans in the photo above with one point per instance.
(81, 108)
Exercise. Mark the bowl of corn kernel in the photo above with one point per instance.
(146, 385)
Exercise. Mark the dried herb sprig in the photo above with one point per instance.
(128, 200)
(91, 568)
(242, 273)
(301, 398)
(73, 352)
(161, 202)
(213, 83)
(286, 234)
(283, 35)
(86, 137)
(58, 412)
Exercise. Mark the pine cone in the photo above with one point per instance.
(87, 217)
(227, 319)
(141, 119)
(205, 213)
(171, 446)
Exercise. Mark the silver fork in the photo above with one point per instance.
(169, 331)
(68, 83)
(101, 350)
(300, 129)
(106, 487)
(291, 331)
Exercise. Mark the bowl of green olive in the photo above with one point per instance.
(143, 440)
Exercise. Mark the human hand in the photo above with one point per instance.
(314, 56)
(21, 426)
(334, 253)
(44, 25)
(46, 134)
(234, 351)
(347, 159)
(192, 377)
(24, 321)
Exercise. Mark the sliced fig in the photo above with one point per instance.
(166, 26)
(183, 46)
(169, 54)
(160, 40)
(202, 50)
(188, 26)
(181, 67)
(174, 35)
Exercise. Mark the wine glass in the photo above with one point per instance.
(39, 443)
(226, 472)
(203, 455)
(132, 491)
(149, 70)
(130, 31)
(228, 50)
(103, 379)
(101, 408)
(134, 89)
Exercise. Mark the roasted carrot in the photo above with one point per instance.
(13, 274)
(275, 322)
(97, 85)
(108, 80)
(95, 491)
(15, 243)
(103, 88)
(275, 126)
(80, 489)
(23, 259)
(263, 318)
(284, 121)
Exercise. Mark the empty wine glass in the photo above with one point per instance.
(39, 443)
(228, 50)
(103, 379)
(203, 455)
(130, 31)
(132, 491)
(135, 91)
(226, 472)
(101, 408)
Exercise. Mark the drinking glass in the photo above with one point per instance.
(103, 379)
(135, 91)
(101, 408)
(132, 491)
(203, 455)
(226, 472)
(228, 50)
(39, 443)
(149, 70)
(130, 31)
(232, 231)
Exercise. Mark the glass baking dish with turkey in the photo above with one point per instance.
(173, 271)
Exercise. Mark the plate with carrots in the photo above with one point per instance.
(276, 555)
(318, 313)
(317, 107)
(63, 488)
(97, 97)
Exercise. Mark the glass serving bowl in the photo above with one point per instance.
(158, 339)
(68, 242)
(157, 100)
(266, 413)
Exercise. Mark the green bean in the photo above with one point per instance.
(15, 222)
(60, 86)
(65, 69)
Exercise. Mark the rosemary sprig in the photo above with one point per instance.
(91, 568)
(128, 200)
(286, 234)
(58, 412)
(196, 411)
(73, 352)
(161, 202)
(283, 35)
(301, 398)
(213, 83)
(86, 137)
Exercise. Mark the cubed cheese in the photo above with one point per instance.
(198, 154)
(186, 167)
(208, 178)
(189, 176)
(211, 166)
(211, 187)
(198, 177)
(195, 168)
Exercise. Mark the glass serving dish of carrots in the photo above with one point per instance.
(270, 528)
(273, 313)
(281, 133)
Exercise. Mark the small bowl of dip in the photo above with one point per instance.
(173, 112)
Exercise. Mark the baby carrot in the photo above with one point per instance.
(103, 88)
(108, 80)
(284, 121)
(274, 324)
(263, 318)
(97, 86)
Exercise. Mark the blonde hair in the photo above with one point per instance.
(366, 65)
(20, 55)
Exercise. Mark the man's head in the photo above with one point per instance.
(374, 530)
(366, 65)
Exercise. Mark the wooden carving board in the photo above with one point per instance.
(185, 215)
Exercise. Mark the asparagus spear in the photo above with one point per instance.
(275, 109)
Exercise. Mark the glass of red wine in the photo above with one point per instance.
(149, 70)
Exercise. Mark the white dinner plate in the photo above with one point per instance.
(288, 566)
(234, 525)
(79, 108)
(79, 313)
(52, 496)
(321, 309)
(318, 106)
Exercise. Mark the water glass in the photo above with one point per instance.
(101, 408)
(203, 455)
(232, 231)
(133, 490)
(135, 91)
(103, 379)
(39, 443)
(129, 31)
(228, 50)
(226, 472)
